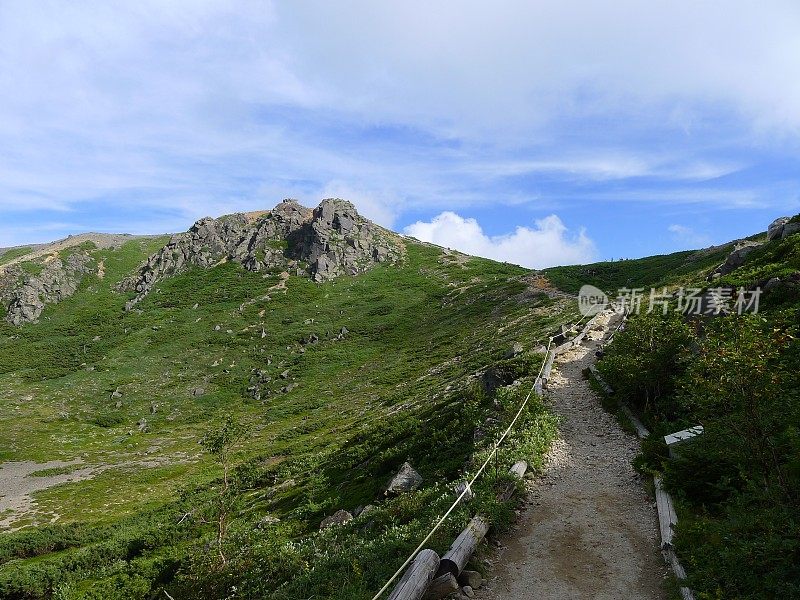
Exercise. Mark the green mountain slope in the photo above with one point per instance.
(336, 385)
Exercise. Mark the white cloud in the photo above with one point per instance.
(477, 67)
(546, 245)
(686, 236)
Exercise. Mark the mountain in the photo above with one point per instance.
(343, 351)
(189, 413)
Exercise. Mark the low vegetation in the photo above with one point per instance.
(737, 485)
(205, 488)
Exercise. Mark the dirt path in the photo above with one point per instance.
(589, 530)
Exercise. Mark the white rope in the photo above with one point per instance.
(471, 482)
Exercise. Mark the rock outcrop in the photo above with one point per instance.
(331, 240)
(735, 259)
(782, 227)
(24, 293)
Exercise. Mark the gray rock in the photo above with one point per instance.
(329, 241)
(468, 591)
(515, 350)
(363, 511)
(340, 517)
(117, 393)
(772, 283)
(790, 229)
(736, 258)
(471, 579)
(197, 392)
(406, 480)
(460, 488)
(775, 229)
(25, 295)
(142, 425)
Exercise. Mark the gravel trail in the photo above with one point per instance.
(589, 530)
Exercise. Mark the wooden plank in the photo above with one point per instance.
(417, 577)
(667, 518)
(441, 587)
(641, 430)
(456, 558)
(548, 367)
(680, 574)
(599, 378)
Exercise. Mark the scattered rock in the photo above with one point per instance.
(471, 579)
(468, 591)
(462, 485)
(285, 374)
(340, 517)
(142, 425)
(267, 520)
(198, 391)
(406, 480)
(515, 350)
(117, 393)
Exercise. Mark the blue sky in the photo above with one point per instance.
(539, 133)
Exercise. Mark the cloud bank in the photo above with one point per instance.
(545, 245)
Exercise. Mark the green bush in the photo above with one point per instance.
(645, 360)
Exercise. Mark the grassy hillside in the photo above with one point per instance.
(679, 268)
(355, 377)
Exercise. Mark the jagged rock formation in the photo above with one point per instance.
(25, 295)
(331, 240)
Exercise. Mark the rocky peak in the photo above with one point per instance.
(323, 243)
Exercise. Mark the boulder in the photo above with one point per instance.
(789, 229)
(406, 480)
(340, 517)
(775, 229)
(473, 579)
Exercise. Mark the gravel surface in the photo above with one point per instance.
(589, 529)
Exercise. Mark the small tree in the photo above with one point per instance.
(221, 443)
(644, 361)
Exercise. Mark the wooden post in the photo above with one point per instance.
(519, 469)
(417, 577)
(667, 518)
(441, 587)
(456, 558)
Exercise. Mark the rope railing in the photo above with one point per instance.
(467, 489)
